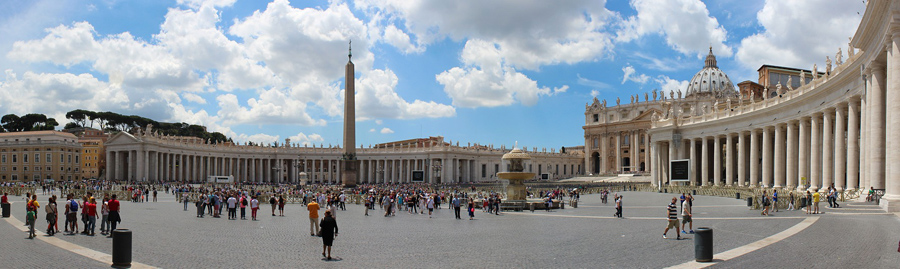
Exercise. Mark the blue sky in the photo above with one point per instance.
(488, 72)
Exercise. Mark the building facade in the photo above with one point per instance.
(839, 129)
(38, 156)
(617, 137)
(146, 156)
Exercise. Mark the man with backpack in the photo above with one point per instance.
(71, 214)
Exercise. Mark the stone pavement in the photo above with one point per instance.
(168, 237)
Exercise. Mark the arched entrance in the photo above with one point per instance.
(595, 161)
(642, 167)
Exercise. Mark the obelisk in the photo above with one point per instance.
(349, 163)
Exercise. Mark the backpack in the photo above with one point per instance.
(73, 206)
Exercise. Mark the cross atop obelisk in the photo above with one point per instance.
(349, 163)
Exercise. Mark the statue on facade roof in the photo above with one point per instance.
(728, 103)
(655, 116)
(603, 104)
(802, 78)
(679, 94)
(632, 99)
(815, 72)
(646, 97)
(790, 83)
(654, 94)
(839, 57)
(595, 100)
(778, 89)
(618, 101)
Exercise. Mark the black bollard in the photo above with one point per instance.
(737, 195)
(703, 244)
(6, 210)
(665, 190)
(121, 252)
(749, 201)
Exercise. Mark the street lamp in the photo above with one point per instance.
(437, 171)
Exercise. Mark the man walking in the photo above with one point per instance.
(672, 210)
(686, 215)
(114, 217)
(232, 207)
(456, 205)
(313, 209)
(619, 206)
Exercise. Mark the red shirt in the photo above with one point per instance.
(113, 205)
(91, 209)
(4, 200)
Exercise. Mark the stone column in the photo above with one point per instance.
(635, 152)
(791, 165)
(779, 156)
(618, 149)
(827, 149)
(840, 155)
(654, 172)
(669, 156)
(852, 146)
(742, 159)
(767, 157)
(876, 172)
(754, 158)
(692, 146)
(729, 160)
(864, 136)
(815, 164)
(803, 154)
(717, 162)
(891, 199)
(704, 161)
(110, 165)
(604, 154)
(646, 152)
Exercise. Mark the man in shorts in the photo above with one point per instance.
(672, 210)
(686, 214)
(71, 214)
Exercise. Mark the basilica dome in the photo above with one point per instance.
(711, 81)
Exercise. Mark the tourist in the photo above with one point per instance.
(254, 206)
(764, 201)
(329, 232)
(672, 210)
(71, 214)
(281, 202)
(815, 203)
(154, 195)
(455, 203)
(790, 201)
(869, 198)
(471, 209)
(184, 198)
(686, 215)
(104, 211)
(368, 203)
(114, 217)
(90, 209)
(808, 202)
(343, 199)
(31, 215)
(4, 199)
(51, 215)
(217, 204)
(775, 200)
(243, 207)
(313, 208)
(232, 207)
(274, 203)
(84, 214)
(430, 204)
(619, 206)
(201, 205)
(834, 196)
(386, 203)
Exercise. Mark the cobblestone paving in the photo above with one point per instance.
(166, 236)
(18, 252)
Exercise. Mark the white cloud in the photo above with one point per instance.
(372, 130)
(379, 122)
(631, 76)
(595, 93)
(376, 98)
(686, 25)
(193, 98)
(667, 85)
(397, 38)
(50, 93)
(490, 83)
(198, 3)
(799, 33)
(306, 140)
(386, 130)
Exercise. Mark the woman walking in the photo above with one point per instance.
(254, 206)
(329, 230)
(51, 216)
(471, 209)
(281, 202)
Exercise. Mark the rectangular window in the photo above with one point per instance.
(496, 168)
(49, 169)
(25, 157)
(70, 159)
(62, 157)
(564, 170)
(596, 117)
(25, 168)
(14, 160)
(484, 170)
(76, 159)
(37, 157)
(557, 170)
(540, 170)
(3, 158)
(49, 158)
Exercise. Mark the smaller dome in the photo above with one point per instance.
(516, 154)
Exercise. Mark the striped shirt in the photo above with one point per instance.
(673, 212)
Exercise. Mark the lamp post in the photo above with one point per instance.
(437, 172)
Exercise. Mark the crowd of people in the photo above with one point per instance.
(108, 213)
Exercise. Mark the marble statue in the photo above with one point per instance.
(850, 48)
(671, 94)
(595, 100)
(815, 71)
(654, 94)
(603, 104)
(778, 88)
(679, 94)
(827, 66)
(655, 116)
(839, 58)
(728, 103)
(790, 83)
(716, 106)
(632, 99)
(802, 78)
(752, 96)
(618, 101)
(646, 97)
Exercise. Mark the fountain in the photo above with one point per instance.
(515, 162)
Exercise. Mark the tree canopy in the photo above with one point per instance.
(28, 122)
(114, 122)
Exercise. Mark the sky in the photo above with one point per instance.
(473, 71)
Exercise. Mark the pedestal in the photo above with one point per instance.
(349, 173)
